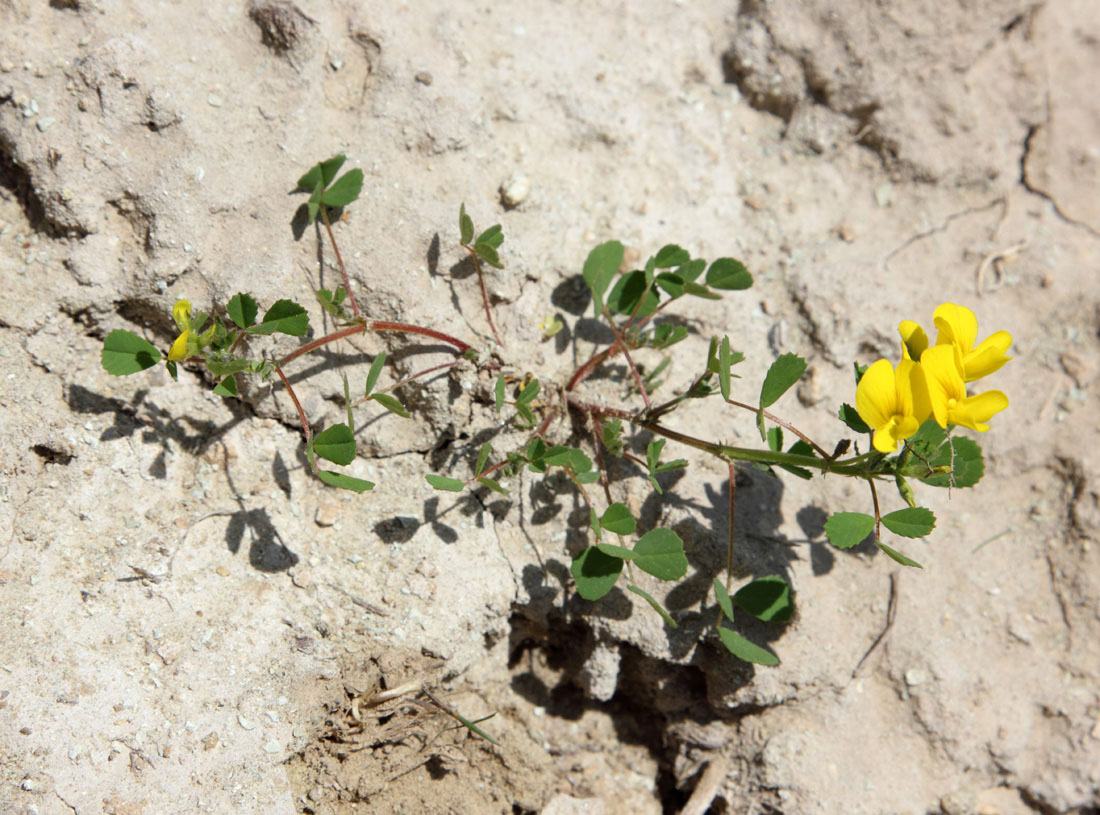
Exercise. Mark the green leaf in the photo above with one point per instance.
(671, 283)
(727, 273)
(653, 453)
(615, 551)
(724, 365)
(222, 364)
(775, 438)
(473, 728)
(629, 291)
(314, 203)
(845, 529)
(743, 649)
(529, 392)
(965, 457)
(928, 440)
(766, 598)
(375, 370)
(330, 301)
(483, 457)
(442, 482)
(783, 373)
(242, 310)
(347, 400)
(336, 443)
(912, 522)
(286, 317)
(345, 482)
(488, 253)
(669, 466)
(493, 236)
(617, 519)
(655, 605)
(465, 225)
(594, 522)
(690, 271)
(660, 552)
(498, 393)
(227, 387)
(898, 556)
(595, 573)
(125, 353)
(850, 416)
(670, 255)
(668, 334)
(599, 269)
(580, 463)
(345, 190)
(723, 597)
(321, 173)
(696, 290)
(491, 484)
(613, 437)
(904, 490)
(392, 404)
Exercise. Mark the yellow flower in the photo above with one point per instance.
(958, 328)
(947, 391)
(913, 340)
(894, 403)
(181, 313)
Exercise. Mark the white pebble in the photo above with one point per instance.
(45, 123)
(514, 190)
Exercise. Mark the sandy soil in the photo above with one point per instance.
(191, 623)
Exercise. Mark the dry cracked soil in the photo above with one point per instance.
(192, 623)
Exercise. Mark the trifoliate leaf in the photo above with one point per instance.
(653, 603)
(345, 190)
(727, 273)
(286, 317)
(783, 373)
(617, 518)
(442, 482)
(912, 522)
(242, 310)
(897, 556)
(600, 268)
(345, 482)
(595, 573)
(336, 443)
(766, 598)
(660, 552)
(845, 529)
(125, 353)
(227, 387)
(743, 649)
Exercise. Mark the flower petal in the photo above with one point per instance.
(987, 357)
(181, 313)
(913, 339)
(876, 394)
(884, 440)
(178, 350)
(975, 411)
(943, 380)
(958, 326)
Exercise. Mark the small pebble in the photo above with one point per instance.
(214, 100)
(247, 724)
(45, 123)
(915, 676)
(423, 77)
(515, 190)
(221, 570)
(272, 746)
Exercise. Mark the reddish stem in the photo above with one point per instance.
(484, 294)
(298, 405)
(375, 325)
(339, 260)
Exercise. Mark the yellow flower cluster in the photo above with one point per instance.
(189, 342)
(931, 381)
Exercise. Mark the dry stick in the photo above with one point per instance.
(340, 260)
(484, 294)
(891, 613)
(706, 790)
(785, 425)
